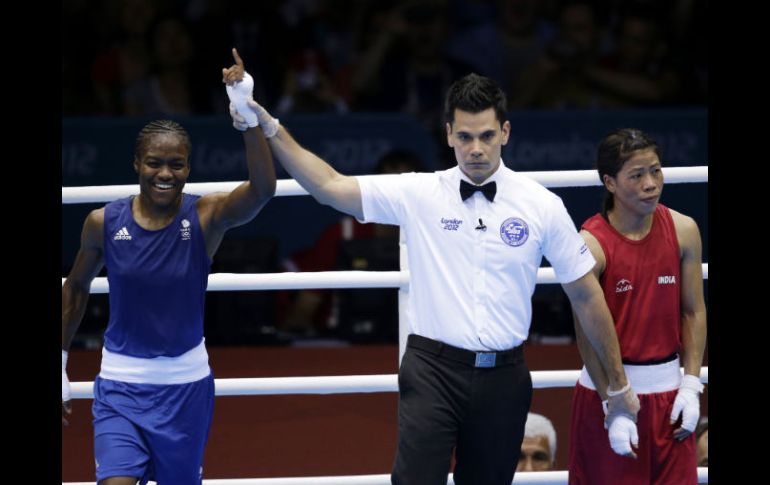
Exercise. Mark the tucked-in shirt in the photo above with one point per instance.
(469, 287)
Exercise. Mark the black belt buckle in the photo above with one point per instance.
(485, 359)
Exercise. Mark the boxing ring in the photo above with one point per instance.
(353, 279)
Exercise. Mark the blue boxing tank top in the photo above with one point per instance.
(157, 281)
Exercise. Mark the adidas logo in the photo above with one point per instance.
(123, 235)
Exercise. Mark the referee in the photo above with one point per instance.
(477, 233)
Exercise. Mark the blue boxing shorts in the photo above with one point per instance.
(152, 431)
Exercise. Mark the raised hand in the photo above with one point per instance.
(235, 72)
(239, 85)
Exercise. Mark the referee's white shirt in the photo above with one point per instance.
(473, 288)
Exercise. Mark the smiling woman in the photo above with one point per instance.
(154, 395)
(161, 159)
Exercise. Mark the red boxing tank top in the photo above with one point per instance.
(642, 284)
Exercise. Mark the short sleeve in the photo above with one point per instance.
(565, 249)
(384, 198)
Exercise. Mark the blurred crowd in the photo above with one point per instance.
(164, 57)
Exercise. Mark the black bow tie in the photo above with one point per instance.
(489, 190)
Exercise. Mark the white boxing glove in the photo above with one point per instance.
(687, 404)
(65, 382)
(240, 93)
(623, 435)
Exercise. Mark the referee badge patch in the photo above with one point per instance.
(514, 231)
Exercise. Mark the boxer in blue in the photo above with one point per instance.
(154, 395)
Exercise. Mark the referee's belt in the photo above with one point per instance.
(468, 357)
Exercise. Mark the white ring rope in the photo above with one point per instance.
(522, 478)
(350, 279)
(289, 187)
(264, 386)
(292, 281)
(318, 280)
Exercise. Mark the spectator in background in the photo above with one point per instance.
(313, 312)
(513, 38)
(330, 29)
(121, 37)
(403, 65)
(637, 72)
(538, 450)
(308, 87)
(170, 89)
(557, 80)
(702, 441)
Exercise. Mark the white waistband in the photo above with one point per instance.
(191, 366)
(646, 379)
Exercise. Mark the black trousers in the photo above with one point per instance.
(444, 404)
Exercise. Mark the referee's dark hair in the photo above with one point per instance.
(474, 94)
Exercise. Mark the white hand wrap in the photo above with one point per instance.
(687, 402)
(239, 122)
(65, 382)
(619, 392)
(240, 93)
(269, 124)
(623, 434)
